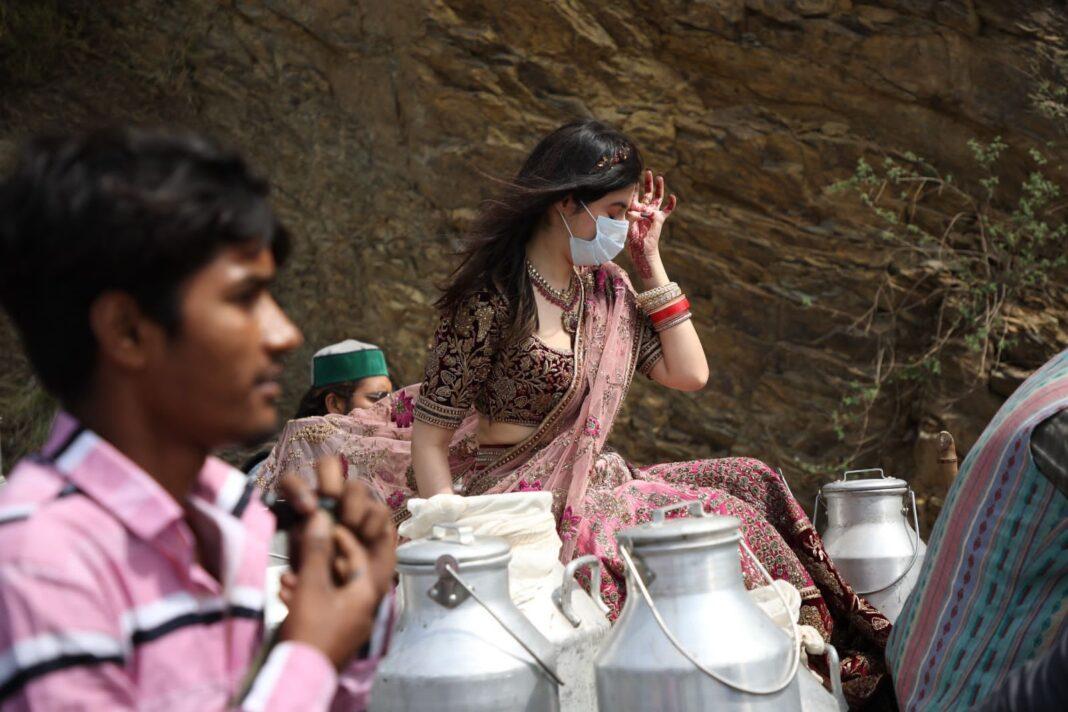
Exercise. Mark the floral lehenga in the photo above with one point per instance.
(595, 491)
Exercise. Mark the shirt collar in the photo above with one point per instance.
(102, 472)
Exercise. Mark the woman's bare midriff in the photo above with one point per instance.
(498, 434)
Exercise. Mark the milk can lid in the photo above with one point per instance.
(457, 541)
(880, 483)
(694, 527)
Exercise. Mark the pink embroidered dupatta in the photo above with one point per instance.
(559, 455)
(562, 455)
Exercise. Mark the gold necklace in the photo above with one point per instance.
(566, 299)
(560, 297)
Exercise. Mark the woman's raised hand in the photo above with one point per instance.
(647, 212)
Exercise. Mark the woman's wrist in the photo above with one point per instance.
(652, 274)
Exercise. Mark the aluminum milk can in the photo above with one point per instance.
(460, 644)
(869, 538)
(575, 625)
(689, 636)
(274, 611)
(542, 588)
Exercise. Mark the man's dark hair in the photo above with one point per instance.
(128, 210)
(313, 402)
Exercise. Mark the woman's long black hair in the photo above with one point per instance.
(583, 159)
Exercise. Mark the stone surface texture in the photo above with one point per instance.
(382, 124)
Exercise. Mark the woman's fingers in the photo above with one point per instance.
(669, 205)
(653, 191)
(647, 187)
(648, 212)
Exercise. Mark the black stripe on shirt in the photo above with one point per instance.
(67, 491)
(185, 620)
(66, 443)
(244, 612)
(21, 677)
(246, 495)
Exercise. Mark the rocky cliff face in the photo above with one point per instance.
(381, 123)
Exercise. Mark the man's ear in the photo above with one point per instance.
(125, 335)
(336, 404)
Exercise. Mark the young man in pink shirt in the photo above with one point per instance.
(136, 268)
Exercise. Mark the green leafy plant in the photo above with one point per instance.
(961, 255)
(26, 412)
(1049, 70)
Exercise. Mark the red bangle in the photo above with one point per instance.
(670, 310)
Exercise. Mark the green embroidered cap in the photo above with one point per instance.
(348, 360)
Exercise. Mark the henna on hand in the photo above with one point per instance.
(647, 214)
(636, 248)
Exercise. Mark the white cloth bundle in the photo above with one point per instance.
(765, 597)
(524, 519)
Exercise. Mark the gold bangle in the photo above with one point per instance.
(662, 301)
(655, 292)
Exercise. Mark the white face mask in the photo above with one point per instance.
(608, 242)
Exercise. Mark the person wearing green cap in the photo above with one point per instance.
(345, 376)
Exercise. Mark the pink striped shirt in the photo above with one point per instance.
(103, 604)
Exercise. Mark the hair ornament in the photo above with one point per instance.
(618, 156)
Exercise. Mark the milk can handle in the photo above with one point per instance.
(847, 473)
(562, 595)
(834, 667)
(695, 508)
(795, 635)
(549, 672)
(915, 549)
(845, 477)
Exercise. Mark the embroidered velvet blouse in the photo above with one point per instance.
(520, 384)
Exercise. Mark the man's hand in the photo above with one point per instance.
(341, 569)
